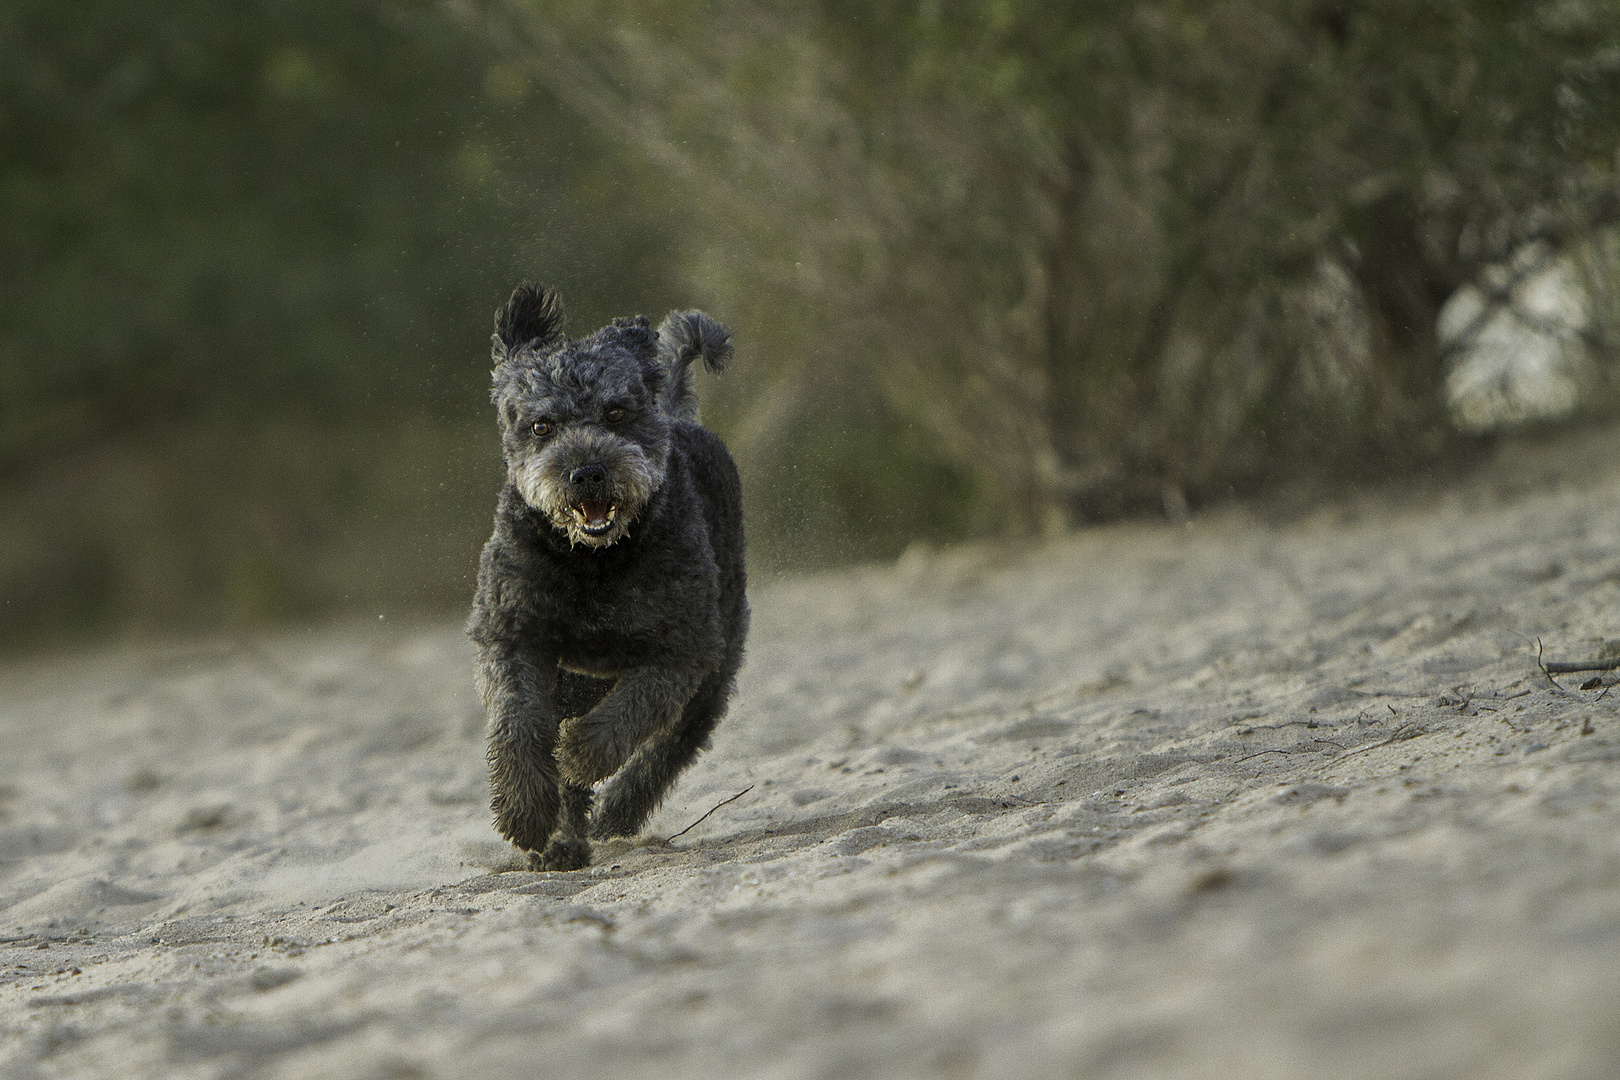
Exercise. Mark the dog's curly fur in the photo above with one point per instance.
(610, 612)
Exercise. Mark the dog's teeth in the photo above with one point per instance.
(595, 526)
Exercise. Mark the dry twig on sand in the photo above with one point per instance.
(1569, 667)
(712, 809)
(1400, 734)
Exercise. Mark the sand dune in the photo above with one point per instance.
(1250, 798)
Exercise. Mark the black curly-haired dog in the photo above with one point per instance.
(610, 611)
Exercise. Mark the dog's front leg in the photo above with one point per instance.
(516, 686)
(642, 702)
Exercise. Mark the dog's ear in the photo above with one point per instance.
(533, 316)
(635, 333)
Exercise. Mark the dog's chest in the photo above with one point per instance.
(604, 611)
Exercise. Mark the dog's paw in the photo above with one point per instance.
(586, 751)
(526, 830)
(618, 816)
(524, 795)
(563, 854)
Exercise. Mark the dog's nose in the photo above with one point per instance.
(593, 473)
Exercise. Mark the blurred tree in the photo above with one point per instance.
(273, 207)
(1108, 255)
(994, 264)
(232, 234)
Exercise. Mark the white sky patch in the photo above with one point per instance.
(1527, 361)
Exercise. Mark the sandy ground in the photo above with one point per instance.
(1252, 797)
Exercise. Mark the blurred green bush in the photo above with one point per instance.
(1110, 257)
(993, 265)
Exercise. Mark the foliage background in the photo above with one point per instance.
(995, 266)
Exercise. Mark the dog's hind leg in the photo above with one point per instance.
(637, 789)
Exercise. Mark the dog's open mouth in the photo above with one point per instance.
(595, 516)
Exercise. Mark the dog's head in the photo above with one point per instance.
(582, 422)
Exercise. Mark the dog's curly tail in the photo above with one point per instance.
(683, 337)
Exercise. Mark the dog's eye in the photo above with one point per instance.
(541, 428)
(613, 415)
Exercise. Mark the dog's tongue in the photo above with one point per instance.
(596, 511)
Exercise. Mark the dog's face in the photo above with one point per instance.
(584, 433)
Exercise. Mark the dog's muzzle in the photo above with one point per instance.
(594, 511)
(591, 488)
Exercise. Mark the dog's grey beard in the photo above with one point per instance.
(633, 476)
